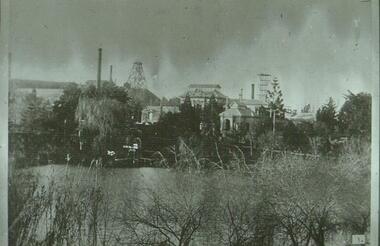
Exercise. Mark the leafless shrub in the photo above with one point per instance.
(185, 158)
(160, 160)
(312, 198)
(170, 214)
(354, 200)
(237, 215)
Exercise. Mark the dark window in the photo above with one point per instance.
(246, 127)
(227, 125)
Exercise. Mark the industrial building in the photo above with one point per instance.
(200, 94)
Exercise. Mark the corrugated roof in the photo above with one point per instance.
(242, 112)
(238, 109)
(198, 93)
(213, 86)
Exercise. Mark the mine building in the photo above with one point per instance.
(200, 94)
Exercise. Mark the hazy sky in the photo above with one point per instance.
(316, 48)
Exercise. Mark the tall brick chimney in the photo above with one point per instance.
(253, 91)
(111, 73)
(98, 81)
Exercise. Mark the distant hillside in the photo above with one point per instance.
(50, 91)
(38, 84)
(95, 82)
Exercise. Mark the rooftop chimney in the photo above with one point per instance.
(241, 94)
(253, 91)
(99, 68)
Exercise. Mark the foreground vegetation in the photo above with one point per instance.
(283, 200)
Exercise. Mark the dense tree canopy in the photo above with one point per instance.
(295, 138)
(63, 121)
(104, 114)
(355, 114)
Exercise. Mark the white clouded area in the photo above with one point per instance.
(317, 49)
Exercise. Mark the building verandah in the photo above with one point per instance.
(237, 117)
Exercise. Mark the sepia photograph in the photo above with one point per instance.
(191, 123)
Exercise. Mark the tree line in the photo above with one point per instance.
(86, 122)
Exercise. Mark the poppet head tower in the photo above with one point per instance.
(136, 78)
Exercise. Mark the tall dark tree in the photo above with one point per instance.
(275, 107)
(34, 121)
(275, 100)
(34, 117)
(327, 115)
(189, 118)
(326, 126)
(355, 115)
(211, 116)
(186, 107)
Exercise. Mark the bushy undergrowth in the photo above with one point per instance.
(70, 211)
(286, 200)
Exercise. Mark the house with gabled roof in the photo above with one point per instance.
(152, 114)
(253, 104)
(237, 117)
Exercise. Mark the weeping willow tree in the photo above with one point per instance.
(103, 117)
